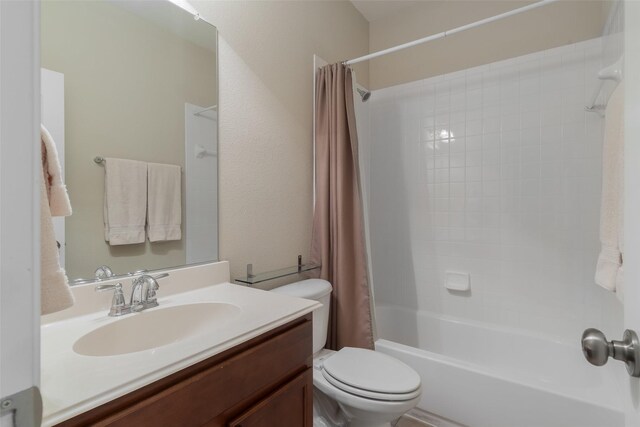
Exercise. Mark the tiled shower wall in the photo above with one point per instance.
(493, 171)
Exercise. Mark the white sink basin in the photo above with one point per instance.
(155, 328)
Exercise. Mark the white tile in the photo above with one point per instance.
(491, 173)
(457, 189)
(473, 158)
(530, 153)
(458, 101)
(473, 142)
(491, 124)
(473, 173)
(457, 160)
(490, 141)
(473, 127)
(499, 173)
(457, 130)
(458, 117)
(511, 138)
(510, 121)
(473, 189)
(474, 98)
(474, 80)
(473, 204)
(456, 219)
(457, 145)
(456, 204)
(530, 119)
(490, 158)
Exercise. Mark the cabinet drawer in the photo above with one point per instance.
(289, 406)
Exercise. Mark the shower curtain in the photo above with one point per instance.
(338, 241)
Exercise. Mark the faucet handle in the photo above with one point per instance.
(118, 304)
(137, 272)
(103, 288)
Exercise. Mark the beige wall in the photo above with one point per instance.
(266, 86)
(543, 28)
(126, 82)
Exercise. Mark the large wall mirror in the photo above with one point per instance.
(132, 80)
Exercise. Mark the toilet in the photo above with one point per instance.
(354, 387)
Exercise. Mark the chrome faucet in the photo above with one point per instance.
(103, 272)
(141, 297)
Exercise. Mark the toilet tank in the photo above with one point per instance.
(317, 290)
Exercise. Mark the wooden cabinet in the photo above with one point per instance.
(287, 407)
(265, 382)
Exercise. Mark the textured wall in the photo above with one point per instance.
(543, 28)
(266, 85)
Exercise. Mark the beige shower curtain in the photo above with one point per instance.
(338, 241)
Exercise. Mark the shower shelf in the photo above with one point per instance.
(252, 279)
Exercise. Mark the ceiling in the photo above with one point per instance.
(376, 9)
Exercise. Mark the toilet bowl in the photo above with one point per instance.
(370, 388)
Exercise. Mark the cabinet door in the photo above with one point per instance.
(289, 406)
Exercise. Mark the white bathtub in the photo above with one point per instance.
(485, 376)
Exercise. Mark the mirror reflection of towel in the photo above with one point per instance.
(54, 201)
(164, 202)
(125, 201)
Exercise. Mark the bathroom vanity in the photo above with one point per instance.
(211, 354)
(266, 381)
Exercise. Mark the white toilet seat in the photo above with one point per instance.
(370, 375)
(393, 397)
(362, 411)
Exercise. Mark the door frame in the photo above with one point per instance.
(20, 166)
(632, 195)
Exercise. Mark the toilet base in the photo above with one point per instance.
(327, 413)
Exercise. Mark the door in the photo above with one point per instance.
(631, 386)
(19, 213)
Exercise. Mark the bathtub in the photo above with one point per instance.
(481, 375)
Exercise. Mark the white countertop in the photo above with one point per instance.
(72, 383)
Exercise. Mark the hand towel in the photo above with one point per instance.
(609, 270)
(54, 201)
(164, 203)
(59, 202)
(125, 201)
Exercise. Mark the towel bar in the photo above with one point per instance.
(101, 160)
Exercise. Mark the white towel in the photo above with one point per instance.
(609, 270)
(54, 201)
(59, 202)
(165, 202)
(125, 201)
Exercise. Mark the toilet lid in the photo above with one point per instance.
(371, 374)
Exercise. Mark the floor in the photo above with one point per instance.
(409, 421)
(419, 418)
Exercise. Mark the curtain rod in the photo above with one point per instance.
(449, 32)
